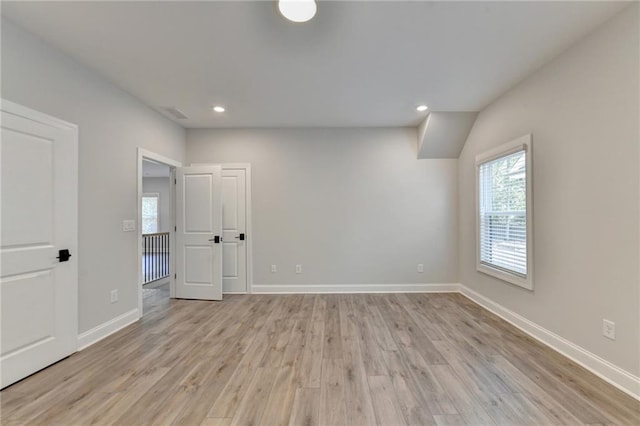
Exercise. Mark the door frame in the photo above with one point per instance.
(249, 229)
(143, 154)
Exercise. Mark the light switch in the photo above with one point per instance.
(128, 225)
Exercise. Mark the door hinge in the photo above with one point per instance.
(175, 228)
(175, 276)
(175, 181)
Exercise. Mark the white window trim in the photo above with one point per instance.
(156, 195)
(501, 151)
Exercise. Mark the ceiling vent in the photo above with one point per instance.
(175, 113)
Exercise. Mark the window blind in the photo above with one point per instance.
(503, 213)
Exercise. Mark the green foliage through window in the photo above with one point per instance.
(503, 213)
(149, 214)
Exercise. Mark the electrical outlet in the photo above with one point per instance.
(420, 267)
(114, 296)
(274, 269)
(609, 329)
(298, 269)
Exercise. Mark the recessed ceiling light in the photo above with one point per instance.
(218, 108)
(298, 10)
(422, 108)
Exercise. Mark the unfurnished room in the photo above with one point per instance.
(310, 212)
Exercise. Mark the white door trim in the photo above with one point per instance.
(149, 155)
(249, 229)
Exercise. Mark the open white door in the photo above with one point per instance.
(199, 232)
(234, 223)
(39, 281)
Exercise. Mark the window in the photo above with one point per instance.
(504, 212)
(150, 213)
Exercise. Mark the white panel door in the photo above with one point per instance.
(38, 289)
(199, 232)
(234, 221)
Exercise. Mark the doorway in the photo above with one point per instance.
(156, 222)
(236, 235)
(155, 228)
(237, 268)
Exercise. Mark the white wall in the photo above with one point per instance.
(583, 112)
(111, 125)
(160, 185)
(353, 206)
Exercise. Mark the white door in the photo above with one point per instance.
(38, 287)
(234, 224)
(199, 232)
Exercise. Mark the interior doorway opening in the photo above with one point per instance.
(156, 230)
(156, 223)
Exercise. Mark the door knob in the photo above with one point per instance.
(216, 239)
(240, 237)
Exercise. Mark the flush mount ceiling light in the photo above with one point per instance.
(422, 108)
(218, 108)
(297, 10)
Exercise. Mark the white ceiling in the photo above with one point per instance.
(354, 64)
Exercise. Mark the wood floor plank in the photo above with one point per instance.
(255, 399)
(319, 308)
(359, 407)
(306, 408)
(449, 420)
(277, 411)
(383, 359)
(332, 393)
(411, 334)
(125, 400)
(295, 347)
(382, 332)
(385, 401)
(193, 399)
(534, 393)
(332, 348)
(232, 394)
(373, 361)
(584, 409)
(305, 311)
(468, 405)
(216, 422)
(278, 336)
(75, 412)
(310, 368)
(227, 403)
(508, 409)
(414, 407)
(436, 397)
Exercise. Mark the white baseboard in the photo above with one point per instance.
(98, 333)
(602, 368)
(353, 288)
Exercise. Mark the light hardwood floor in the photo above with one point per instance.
(394, 359)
